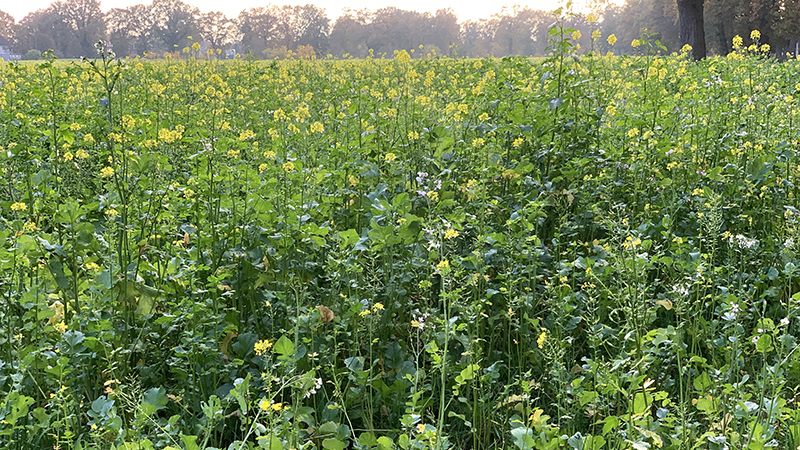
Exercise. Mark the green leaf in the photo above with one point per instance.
(271, 442)
(57, 269)
(190, 442)
(354, 363)
(594, 443)
(333, 444)
(523, 438)
(703, 383)
(394, 355)
(403, 441)
(284, 347)
(156, 397)
(764, 343)
(640, 402)
(772, 273)
(384, 443)
(587, 397)
(367, 439)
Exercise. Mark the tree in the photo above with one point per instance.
(476, 38)
(787, 27)
(444, 30)
(217, 29)
(349, 33)
(7, 26)
(44, 30)
(258, 26)
(129, 29)
(85, 21)
(691, 25)
(312, 27)
(173, 23)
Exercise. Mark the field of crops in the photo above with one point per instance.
(580, 253)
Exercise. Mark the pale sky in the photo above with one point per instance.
(464, 9)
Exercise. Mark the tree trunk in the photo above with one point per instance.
(692, 32)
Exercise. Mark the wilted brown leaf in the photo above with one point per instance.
(327, 314)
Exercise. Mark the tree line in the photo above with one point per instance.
(72, 27)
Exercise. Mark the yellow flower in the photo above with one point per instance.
(478, 142)
(68, 156)
(18, 206)
(450, 234)
(612, 39)
(636, 42)
(389, 157)
(576, 35)
(378, 307)
(633, 132)
(58, 312)
(415, 324)
(106, 172)
(81, 154)
(261, 347)
(112, 212)
(288, 166)
(755, 35)
(265, 405)
(517, 142)
(246, 134)
(402, 56)
(61, 327)
(483, 117)
(541, 339)
(765, 48)
(631, 243)
(737, 41)
(595, 35)
(128, 121)
(443, 264)
(317, 127)
(591, 18)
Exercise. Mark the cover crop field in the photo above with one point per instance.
(593, 252)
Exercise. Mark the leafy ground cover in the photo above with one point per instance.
(585, 253)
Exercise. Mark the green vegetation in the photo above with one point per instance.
(574, 252)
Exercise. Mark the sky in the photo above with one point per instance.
(464, 9)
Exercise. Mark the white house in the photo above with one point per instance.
(5, 49)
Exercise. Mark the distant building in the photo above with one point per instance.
(5, 49)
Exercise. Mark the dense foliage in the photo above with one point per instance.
(586, 253)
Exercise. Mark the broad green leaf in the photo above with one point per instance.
(333, 444)
(284, 347)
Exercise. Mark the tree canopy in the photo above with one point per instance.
(71, 28)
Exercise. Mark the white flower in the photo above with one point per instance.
(743, 242)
